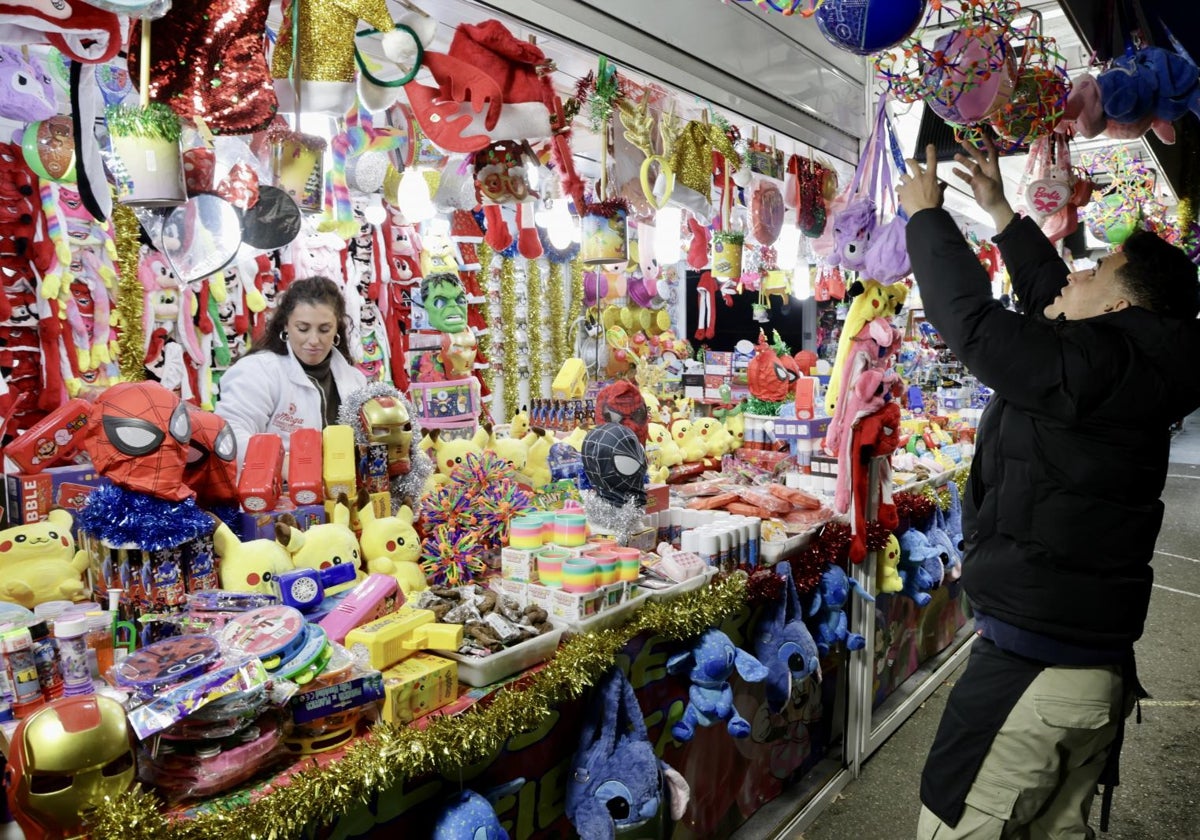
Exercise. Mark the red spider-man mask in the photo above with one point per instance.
(137, 438)
(211, 469)
(769, 378)
(621, 402)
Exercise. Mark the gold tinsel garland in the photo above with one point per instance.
(1185, 212)
(576, 311)
(534, 290)
(483, 342)
(508, 349)
(558, 315)
(392, 755)
(131, 347)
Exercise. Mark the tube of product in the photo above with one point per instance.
(45, 655)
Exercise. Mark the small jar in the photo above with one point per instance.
(22, 671)
(45, 654)
(100, 639)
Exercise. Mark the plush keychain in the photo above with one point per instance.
(784, 645)
(710, 665)
(618, 784)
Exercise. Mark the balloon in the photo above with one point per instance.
(868, 26)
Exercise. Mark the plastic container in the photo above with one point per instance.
(22, 671)
(71, 634)
(100, 639)
(45, 655)
(478, 671)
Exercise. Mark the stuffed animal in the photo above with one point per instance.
(618, 783)
(248, 566)
(709, 665)
(940, 538)
(390, 545)
(322, 546)
(39, 563)
(575, 438)
(920, 566)
(872, 300)
(449, 455)
(26, 91)
(711, 435)
(518, 427)
(468, 816)
(887, 573)
(669, 453)
(680, 427)
(783, 643)
(954, 522)
(537, 465)
(735, 424)
(692, 445)
(829, 605)
(769, 379)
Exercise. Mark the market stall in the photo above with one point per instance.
(468, 419)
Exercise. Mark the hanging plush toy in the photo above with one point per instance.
(710, 665)
(784, 645)
(829, 608)
(618, 784)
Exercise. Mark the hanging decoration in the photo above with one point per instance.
(864, 27)
(534, 292)
(508, 348)
(1119, 208)
(558, 315)
(131, 339)
(576, 291)
(483, 337)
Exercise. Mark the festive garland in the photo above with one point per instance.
(534, 290)
(508, 349)
(155, 121)
(558, 315)
(576, 311)
(391, 755)
(131, 346)
(483, 339)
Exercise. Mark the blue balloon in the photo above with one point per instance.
(868, 26)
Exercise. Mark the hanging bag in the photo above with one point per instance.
(784, 644)
(616, 783)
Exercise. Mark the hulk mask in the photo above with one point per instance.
(445, 302)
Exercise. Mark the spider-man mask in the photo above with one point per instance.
(615, 464)
(137, 438)
(211, 469)
(621, 402)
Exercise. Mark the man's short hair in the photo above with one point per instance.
(439, 279)
(1159, 276)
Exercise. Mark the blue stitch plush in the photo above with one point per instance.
(710, 664)
(829, 605)
(784, 645)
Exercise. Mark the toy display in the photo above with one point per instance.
(391, 545)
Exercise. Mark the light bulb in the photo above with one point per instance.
(802, 285)
(413, 197)
(787, 247)
(374, 213)
(562, 228)
(667, 240)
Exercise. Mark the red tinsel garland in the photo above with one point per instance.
(764, 586)
(913, 509)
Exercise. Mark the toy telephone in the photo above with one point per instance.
(261, 481)
(337, 461)
(305, 588)
(304, 467)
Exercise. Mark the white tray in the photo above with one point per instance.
(477, 671)
(683, 587)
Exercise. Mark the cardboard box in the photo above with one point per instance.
(417, 686)
(515, 589)
(261, 525)
(317, 703)
(720, 358)
(576, 606)
(644, 540)
(518, 564)
(29, 498)
(658, 497)
(715, 382)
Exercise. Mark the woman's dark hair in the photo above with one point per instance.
(1159, 276)
(315, 291)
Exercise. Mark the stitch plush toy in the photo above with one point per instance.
(783, 643)
(829, 603)
(920, 566)
(248, 566)
(390, 545)
(39, 563)
(709, 665)
(617, 783)
(468, 816)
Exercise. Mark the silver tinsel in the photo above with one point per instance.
(622, 521)
(406, 489)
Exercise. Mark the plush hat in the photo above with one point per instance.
(1084, 106)
(26, 92)
(509, 99)
(78, 29)
(1127, 90)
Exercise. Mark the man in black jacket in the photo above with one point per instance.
(1062, 506)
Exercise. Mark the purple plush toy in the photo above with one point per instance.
(26, 90)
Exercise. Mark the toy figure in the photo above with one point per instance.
(445, 302)
(709, 665)
(829, 603)
(249, 566)
(449, 455)
(39, 563)
(887, 574)
(390, 545)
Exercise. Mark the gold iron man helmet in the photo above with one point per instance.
(65, 760)
(385, 420)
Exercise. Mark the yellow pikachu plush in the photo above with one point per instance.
(680, 429)
(669, 453)
(39, 563)
(391, 545)
(322, 546)
(735, 424)
(693, 445)
(712, 435)
(249, 566)
(575, 439)
(518, 427)
(887, 573)
(537, 465)
(449, 455)
(872, 300)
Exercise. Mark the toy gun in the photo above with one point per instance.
(403, 633)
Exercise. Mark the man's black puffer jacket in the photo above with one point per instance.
(1062, 509)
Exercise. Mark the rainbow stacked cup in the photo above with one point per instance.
(550, 566)
(579, 575)
(546, 517)
(629, 564)
(606, 566)
(525, 532)
(570, 529)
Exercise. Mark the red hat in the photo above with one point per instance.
(79, 30)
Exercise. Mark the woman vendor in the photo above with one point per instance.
(293, 379)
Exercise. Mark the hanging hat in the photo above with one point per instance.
(509, 98)
(1084, 106)
(80, 31)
